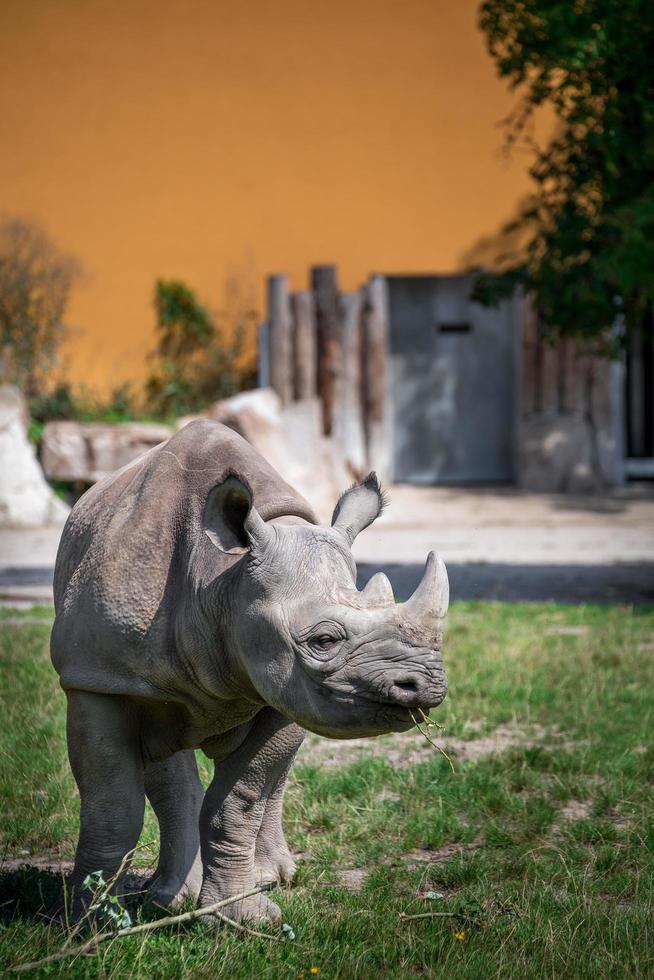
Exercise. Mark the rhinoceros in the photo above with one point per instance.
(187, 618)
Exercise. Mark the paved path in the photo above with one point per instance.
(497, 543)
(504, 544)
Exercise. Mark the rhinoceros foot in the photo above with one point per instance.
(169, 892)
(256, 908)
(273, 861)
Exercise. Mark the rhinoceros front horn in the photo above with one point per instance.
(428, 604)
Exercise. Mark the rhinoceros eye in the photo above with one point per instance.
(324, 642)
(325, 638)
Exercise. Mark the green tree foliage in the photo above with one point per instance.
(590, 221)
(193, 364)
(183, 324)
(36, 280)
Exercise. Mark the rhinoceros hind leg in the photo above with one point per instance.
(176, 793)
(234, 811)
(105, 758)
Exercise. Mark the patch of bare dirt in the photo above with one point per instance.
(25, 621)
(499, 740)
(412, 747)
(575, 810)
(567, 631)
(52, 864)
(352, 879)
(620, 820)
(396, 749)
(45, 862)
(388, 794)
(438, 855)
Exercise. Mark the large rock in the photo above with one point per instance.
(291, 440)
(88, 451)
(25, 497)
(558, 455)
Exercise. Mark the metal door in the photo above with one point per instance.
(452, 382)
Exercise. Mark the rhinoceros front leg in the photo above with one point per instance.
(234, 810)
(174, 789)
(272, 857)
(103, 747)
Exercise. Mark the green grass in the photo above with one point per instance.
(558, 880)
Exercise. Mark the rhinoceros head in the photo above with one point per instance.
(338, 661)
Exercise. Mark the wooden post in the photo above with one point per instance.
(348, 408)
(375, 366)
(530, 359)
(304, 346)
(329, 332)
(569, 398)
(263, 372)
(279, 338)
(550, 374)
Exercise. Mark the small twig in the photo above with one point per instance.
(241, 928)
(426, 735)
(429, 915)
(99, 896)
(169, 920)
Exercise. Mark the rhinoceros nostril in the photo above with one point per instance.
(410, 686)
(405, 691)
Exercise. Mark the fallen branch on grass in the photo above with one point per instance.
(169, 920)
(429, 915)
(246, 929)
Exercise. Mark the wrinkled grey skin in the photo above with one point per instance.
(185, 619)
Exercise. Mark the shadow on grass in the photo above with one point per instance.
(36, 894)
(30, 893)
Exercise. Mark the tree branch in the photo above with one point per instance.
(169, 920)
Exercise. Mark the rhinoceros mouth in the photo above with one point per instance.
(383, 714)
(396, 719)
(412, 705)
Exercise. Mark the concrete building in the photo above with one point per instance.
(477, 396)
(470, 394)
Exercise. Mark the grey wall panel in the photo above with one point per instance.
(453, 383)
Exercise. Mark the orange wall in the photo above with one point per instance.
(205, 138)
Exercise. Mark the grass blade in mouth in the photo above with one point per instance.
(428, 723)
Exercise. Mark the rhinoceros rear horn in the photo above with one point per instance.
(358, 507)
(379, 591)
(230, 520)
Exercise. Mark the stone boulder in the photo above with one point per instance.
(291, 439)
(558, 455)
(85, 452)
(26, 500)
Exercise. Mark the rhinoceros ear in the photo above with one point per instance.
(358, 507)
(230, 520)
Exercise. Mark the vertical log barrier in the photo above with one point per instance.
(550, 368)
(530, 376)
(329, 333)
(348, 405)
(305, 364)
(319, 343)
(375, 367)
(263, 370)
(568, 379)
(280, 357)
